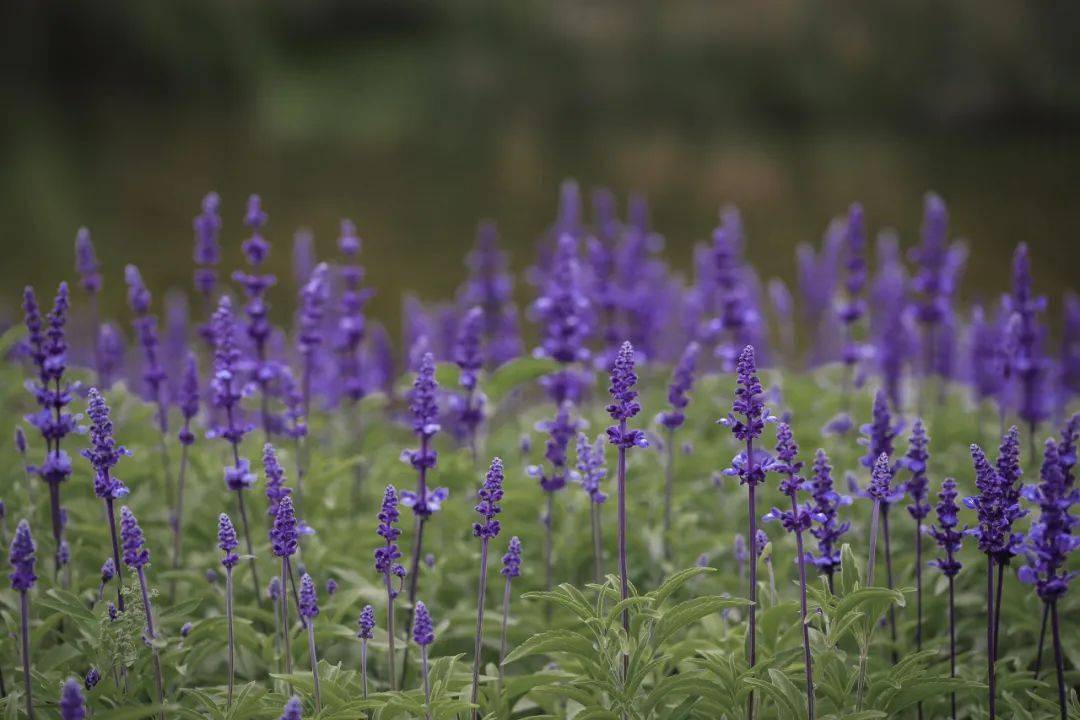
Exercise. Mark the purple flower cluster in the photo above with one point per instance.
(386, 557)
(423, 628)
(747, 420)
(915, 462)
(682, 381)
(423, 403)
(351, 325)
(880, 479)
(560, 430)
(490, 287)
(946, 533)
(854, 282)
(86, 263)
(284, 535)
(189, 398)
(1028, 362)
(990, 505)
(146, 329)
(489, 497)
(313, 298)
(275, 480)
(512, 559)
(591, 469)
(1051, 540)
(469, 359)
(207, 252)
(624, 404)
(72, 702)
(103, 452)
(136, 555)
(788, 465)
(878, 435)
(366, 623)
(827, 503)
(227, 541)
(22, 556)
(309, 600)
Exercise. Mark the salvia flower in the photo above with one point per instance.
(563, 309)
(103, 452)
(136, 555)
(915, 462)
(366, 623)
(682, 381)
(146, 329)
(108, 571)
(1051, 539)
(313, 298)
(423, 627)
(292, 710)
(351, 322)
(425, 414)
(591, 468)
(624, 404)
(827, 503)
(386, 557)
(989, 504)
(189, 398)
(512, 559)
(946, 532)
(331, 586)
(309, 601)
(228, 541)
(854, 307)
(275, 480)
(747, 420)
(880, 479)
(186, 629)
(239, 476)
(86, 262)
(273, 588)
(1029, 363)
(467, 354)
(879, 433)
(1010, 474)
(284, 535)
(22, 557)
(560, 430)
(207, 252)
(488, 506)
(93, 677)
(72, 703)
(788, 465)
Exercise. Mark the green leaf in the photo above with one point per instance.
(564, 641)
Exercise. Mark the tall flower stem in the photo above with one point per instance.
(669, 489)
(24, 609)
(1042, 639)
(805, 622)
(314, 665)
(178, 519)
(427, 682)
(111, 512)
(874, 518)
(231, 637)
(752, 507)
(286, 645)
(991, 674)
(624, 590)
(479, 646)
(598, 543)
(997, 605)
(414, 572)
(247, 543)
(363, 666)
(889, 580)
(549, 544)
(392, 669)
(159, 680)
(918, 601)
(1059, 659)
(952, 641)
(505, 625)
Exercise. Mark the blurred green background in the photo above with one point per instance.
(416, 119)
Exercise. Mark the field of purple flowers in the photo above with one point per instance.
(641, 496)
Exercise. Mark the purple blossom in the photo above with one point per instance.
(366, 623)
(227, 387)
(227, 541)
(488, 506)
(624, 404)
(103, 452)
(591, 469)
(512, 559)
(72, 703)
(189, 398)
(108, 571)
(750, 405)
(351, 324)
(292, 710)
(560, 430)
(734, 305)
(467, 355)
(284, 535)
(273, 588)
(827, 503)
(563, 310)
(313, 298)
(682, 381)
(186, 629)
(915, 462)
(1029, 363)
(424, 407)
(239, 476)
(309, 601)
(853, 309)
(1051, 539)
(93, 677)
(331, 586)
(207, 227)
(1009, 472)
(986, 372)
(146, 330)
(788, 465)
(275, 480)
(993, 529)
(386, 557)
(22, 558)
(86, 263)
(490, 287)
(423, 627)
(136, 555)
(880, 478)
(879, 433)
(946, 533)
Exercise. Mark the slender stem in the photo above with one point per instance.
(247, 541)
(889, 581)
(1059, 660)
(548, 544)
(918, 602)
(363, 665)
(116, 553)
(598, 543)
(232, 645)
(24, 604)
(166, 470)
(57, 523)
(752, 543)
(624, 588)
(277, 635)
(1042, 637)
(314, 664)
(159, 681)
(505, 623)
(178, 519)
(997, 605)
(805, 620)
(952, 637)
(295, 594)
(991, 679)
(390, 632)
(286, 646)
(414, 576)
(427, 684)
(478, 649)
(669, 489)
(874, 517)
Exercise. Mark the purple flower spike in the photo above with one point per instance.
(989, 505)
(72, 703)
(284, 535)
(103, 452)
(313, 299)
(467, 355)
(878, 435)
(309, 601)
(682, 381)
(239, 476)
(227, 541)
(624, 403)
(86, 263)
(562, 309)
(207, 253)
(108, 571)
(490, 495)
(189, 398)
(386, 557)
(591, 468)
(512, 559)
(275, 480)
(93, 677)
(366, 623)
(22, 558)
(131, 538)
(1051, 539)
(423, 628)
(915, 462)
(880, 478)
(946, 533)
(292, 710)
(1029, 362)
(423, 401)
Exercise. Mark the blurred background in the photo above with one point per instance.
(417, 119)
